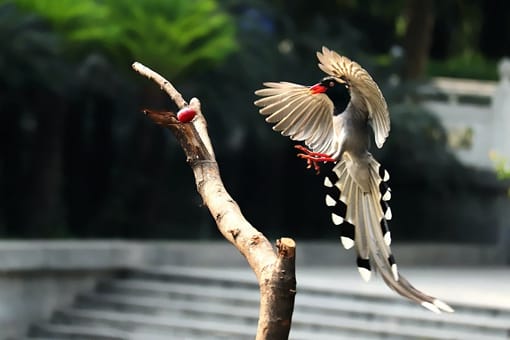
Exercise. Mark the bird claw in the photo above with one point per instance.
(313, 158)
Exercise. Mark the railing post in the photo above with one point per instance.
(501, 112)
(501, 145)
(453, 99)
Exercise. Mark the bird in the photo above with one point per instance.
(333, 119)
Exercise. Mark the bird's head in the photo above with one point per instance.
(337, 89)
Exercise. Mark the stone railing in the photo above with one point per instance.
(475, 113)
(455, 90)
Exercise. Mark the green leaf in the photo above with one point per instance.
(175, 37)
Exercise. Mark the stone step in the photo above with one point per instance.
(95, 331)
(59, 331)
(164, 325)
(134, 323)
(192, 276)
(242, 281)
(391, 328)
(68, 332)
(305, 305)
(182, 303)
(330, 305)
(325, 303)
(303, 320)
(150, 305)
(301, 336)
(189, 292)
(31, 338)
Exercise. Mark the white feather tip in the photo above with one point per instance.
(431, 307)
(387, 238)
(337, 220)
(365, 273)
(386, 177)
(347, 242)
(394, 271)
(330, 201)
(387, 195)
(388, 215)
(443, 306)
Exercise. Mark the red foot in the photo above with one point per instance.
(313, 158)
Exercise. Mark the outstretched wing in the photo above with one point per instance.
(299, 114)
(364, 90)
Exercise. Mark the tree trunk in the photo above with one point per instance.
(418, 37)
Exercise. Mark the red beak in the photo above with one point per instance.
(318, 88)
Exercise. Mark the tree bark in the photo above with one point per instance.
(418, 37)
(275, 271)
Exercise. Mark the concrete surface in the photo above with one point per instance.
(476, 286)
(38, 276)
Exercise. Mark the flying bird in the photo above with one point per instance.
(333, 119)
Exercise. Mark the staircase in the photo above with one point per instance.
(178, 303)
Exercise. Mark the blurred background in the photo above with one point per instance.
(78, 159)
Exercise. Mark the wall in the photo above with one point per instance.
(476, 115)
(38, 276)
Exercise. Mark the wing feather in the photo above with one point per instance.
(289, 125)
(280, 110)
(299, 114)
(363, 90)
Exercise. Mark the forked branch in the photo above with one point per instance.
(275, 270)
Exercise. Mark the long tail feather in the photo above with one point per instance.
(362, 216)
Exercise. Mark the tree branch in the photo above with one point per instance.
(275, 272)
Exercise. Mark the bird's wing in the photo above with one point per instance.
(299, 114)
(362, 87)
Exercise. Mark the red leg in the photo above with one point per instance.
(313, 158)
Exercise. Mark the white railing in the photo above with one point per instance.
(454, 88)
(476, 115)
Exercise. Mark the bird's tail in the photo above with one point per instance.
(362, 213)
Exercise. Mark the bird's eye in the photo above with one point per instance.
(331, 83)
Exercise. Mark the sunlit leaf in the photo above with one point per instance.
(175, 37)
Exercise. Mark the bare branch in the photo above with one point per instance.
(164, 84)
(275, 272)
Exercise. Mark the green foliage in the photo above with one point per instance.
(174, 37)
(502, 167)
(467, 65)
(29, 51)
(501, 164)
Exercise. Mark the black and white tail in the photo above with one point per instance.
(363, 215)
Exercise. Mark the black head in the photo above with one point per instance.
(337, 91)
